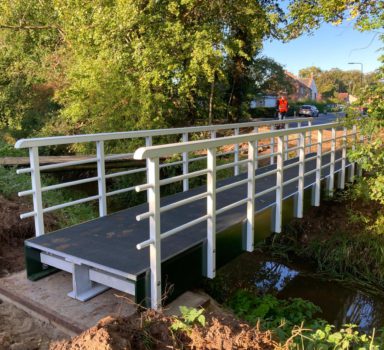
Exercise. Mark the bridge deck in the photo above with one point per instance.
(109, 243)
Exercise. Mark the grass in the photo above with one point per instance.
(342, 240)
(11, 183)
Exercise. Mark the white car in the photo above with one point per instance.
(308, 111)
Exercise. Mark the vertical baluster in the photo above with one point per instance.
(359, 168)
(101, 178)
(236, 167)
(317, 186)
(352, 167)
(341, 182)
(278, 209)
(309, 137)
(154, 231)
(36, 188)
(252, 152)
(286, 142)
(185, 164)
(148, 143)
(331, 178)
(256, 130)
(298, 141)
(211, 212)
(299, 199)
(272, 146)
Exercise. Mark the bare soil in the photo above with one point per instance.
(13, 232)
(151, 330)
(333, 216)
(19, 331)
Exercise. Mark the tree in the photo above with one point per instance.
(369, 15)
(124, 64)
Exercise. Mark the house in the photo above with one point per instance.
(346, 97)
(302, 88)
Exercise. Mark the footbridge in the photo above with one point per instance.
(222, 178)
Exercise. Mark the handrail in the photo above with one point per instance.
(193, 146)
(152, 154)
(62, 140)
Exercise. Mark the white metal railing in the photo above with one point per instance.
(155, 153)
(100, 158)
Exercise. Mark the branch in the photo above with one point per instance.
(33, 27)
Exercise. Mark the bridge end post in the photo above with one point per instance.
(36, 188)
(211, 213)
(252, 154)
(154, 231)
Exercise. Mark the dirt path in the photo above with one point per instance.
(19, 331)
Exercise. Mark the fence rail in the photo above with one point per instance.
(153, 154)
(100, 158)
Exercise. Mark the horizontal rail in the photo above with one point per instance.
(287, 182)
(68, 204)
(262, 193)
(173, 205)
(71, 163)
(122, 190)
(232, 185)
(231, 165)
(127, 172)
(231, 206)
(62, 140)
(169, 233)
(59, 186)
(267, 173)
(118, 156)
(184, 227)
(182, 177)
(292, 165)
(169, 149)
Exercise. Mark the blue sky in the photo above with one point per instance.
(329, 47)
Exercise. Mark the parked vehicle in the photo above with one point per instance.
(308, 111)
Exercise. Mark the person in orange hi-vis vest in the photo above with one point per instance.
(282, 106)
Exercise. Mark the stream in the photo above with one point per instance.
(340, 304)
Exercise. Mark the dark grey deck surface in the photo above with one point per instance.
(111, 241)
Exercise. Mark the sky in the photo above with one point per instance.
(329, 47)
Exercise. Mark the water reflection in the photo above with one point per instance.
(272, 277)
(340, 304)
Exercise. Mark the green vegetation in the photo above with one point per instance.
(101, 66)
(274, 313)
(10, 184)
(292, 321)
(189, 317)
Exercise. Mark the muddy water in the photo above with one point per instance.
(340, 304)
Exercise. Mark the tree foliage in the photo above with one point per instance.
(331, 82)
(124, 64)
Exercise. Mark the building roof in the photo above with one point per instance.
(302, 81)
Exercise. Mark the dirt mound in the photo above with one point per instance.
(13, 232)
(151, 330)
